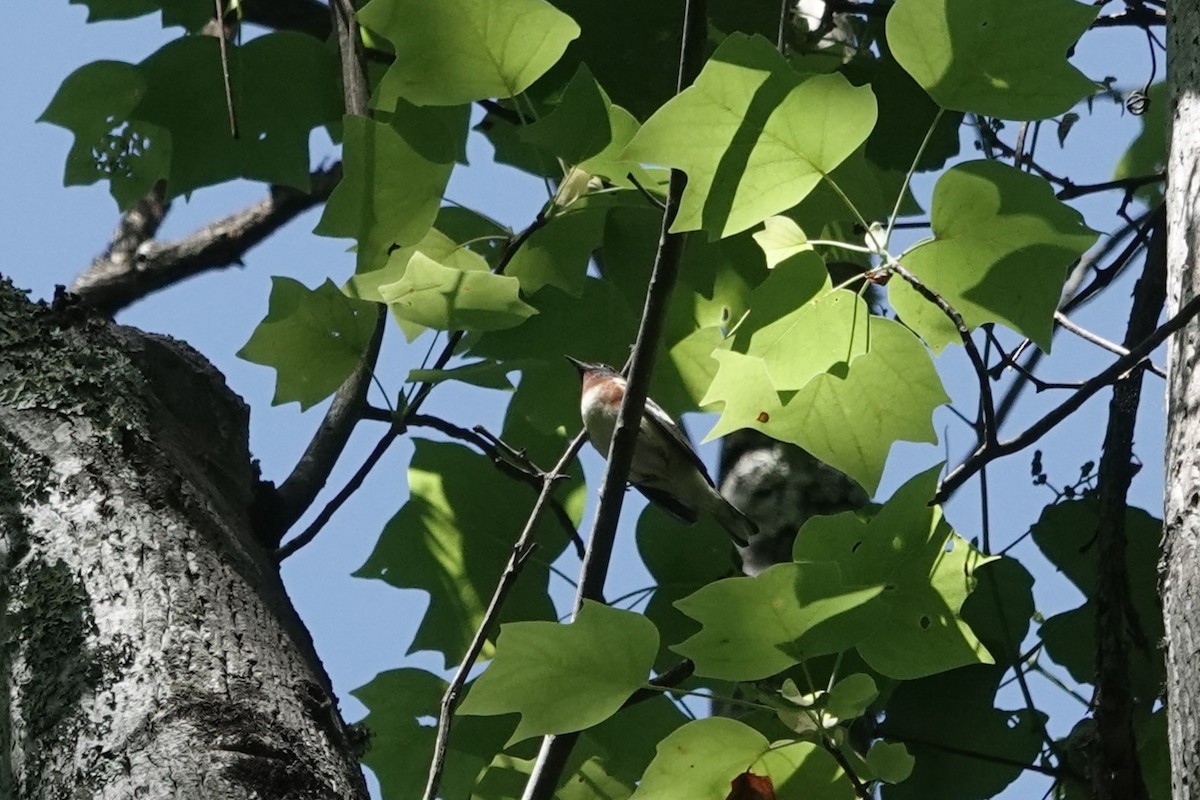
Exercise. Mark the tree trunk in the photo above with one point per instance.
(147, 646)
(1180, 568)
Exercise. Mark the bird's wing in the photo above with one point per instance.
(663, 422)
(669, 503)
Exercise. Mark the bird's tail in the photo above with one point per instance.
(736, 524)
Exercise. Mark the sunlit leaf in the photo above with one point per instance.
(564, 678)
(1000, 253)
(442, 297)
(925, 569)
(753, 136)
(984, 56)
(450, 52)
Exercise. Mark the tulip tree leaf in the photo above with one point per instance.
(452, 539)
(780, 239)
(753, 136)
(285, 84)
(388, 195)
(558, 254)
(948, 718)
(983, 56)
(1000, 253)
(451, 52)
(757, 627)
(95, 102)
(445, 298)
(847, 418)
(401, 747)
(565, 677)
(314, 339)
(927, 573)
(703, 758)
(579, 125)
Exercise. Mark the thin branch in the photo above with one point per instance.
(552, 758)
(136, 265)
(308, 534)
(654, 201)
(1112, 347)
(1071, 190)
(1116, 770)
(222, 36)
(523, 548)
(988, 434)
(985, 455)
(990, 758)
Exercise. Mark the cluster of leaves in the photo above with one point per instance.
(877, 652)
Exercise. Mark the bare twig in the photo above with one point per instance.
(523, 548)
(985, 455)
(1112, 347)
(552, 758)
(988, 434)
(222, 37)
(136, 265)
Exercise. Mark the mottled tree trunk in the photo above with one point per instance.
(1181, 555)
(147, 647)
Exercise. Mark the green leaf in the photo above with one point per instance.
(458, 51)
(682, 559)
(890, 761)
(753, 136)
(563, 678)
(436, 133)
(700, 761)
(191, 14)
(388, 195)
(452, 539)
(558, 254)
(487, 374)
(610, 162)
(446, 298)
(757, 627)
(1066, 535)
(780, 239)
(983, 56)
(284, 85)
(579, 126)
(926, 569)
(434, 244)
(1001, 607)
(847, 420)
(401, 746)
(852, 696)
(949, 717)
(313, 338)
(823, 335)
(1000, 253)
(95, 103)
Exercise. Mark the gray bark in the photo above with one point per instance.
(147, 646)
(1180, 568)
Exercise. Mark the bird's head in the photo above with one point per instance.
(596, 375)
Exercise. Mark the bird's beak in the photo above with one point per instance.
(582, 366)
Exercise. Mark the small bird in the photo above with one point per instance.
(666, 469)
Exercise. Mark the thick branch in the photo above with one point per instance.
(308, 477)
(1116, 771)
(136, 265)
(985, 455)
